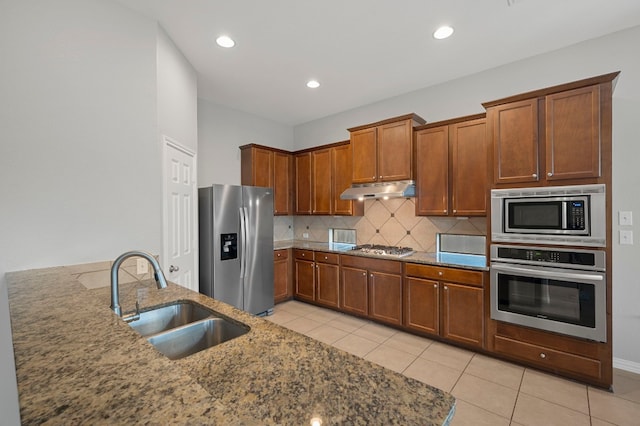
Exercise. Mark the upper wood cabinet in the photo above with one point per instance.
(382, 151)
(304, 178)
(553, 134)
(451, 167)
(322, 174)
(271, 168)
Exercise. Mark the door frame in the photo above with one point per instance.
(169, 143)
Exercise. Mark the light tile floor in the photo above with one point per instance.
(488, 391)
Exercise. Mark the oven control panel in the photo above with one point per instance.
(590, 259)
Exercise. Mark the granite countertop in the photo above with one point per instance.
(453, 260)
(78, 363)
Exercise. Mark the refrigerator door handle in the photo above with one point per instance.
(243, 241)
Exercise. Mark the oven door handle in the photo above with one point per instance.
(548, 274)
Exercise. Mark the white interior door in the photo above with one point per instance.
(180, 215)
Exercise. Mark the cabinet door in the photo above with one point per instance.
(327, 284)
(573, 134)
(385, 295)
(281, 284)
(256, 166)
(421, 308)
(462, 314)
(354, 290)
(341, 171)
(304, 275)
(321, 181)
(303, 183)
(395, 151)
(432, 171)
(469, 188)
(364, 149)
(514, 127)
(282, 180)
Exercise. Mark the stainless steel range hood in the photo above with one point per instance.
(384, 190)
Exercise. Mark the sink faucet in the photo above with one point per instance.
(161, 281)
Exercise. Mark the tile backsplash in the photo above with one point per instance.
(388, 222)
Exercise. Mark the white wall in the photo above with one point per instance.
(79, 156)
(222, 130)
(177, 94)
(464, 96)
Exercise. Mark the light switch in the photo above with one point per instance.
(626, 237)
(625, 218)
(142, 266)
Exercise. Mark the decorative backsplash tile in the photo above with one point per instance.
(388, 222)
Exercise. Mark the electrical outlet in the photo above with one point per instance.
(626, 237)
(305, 235)
(625, 218)
(142, 266)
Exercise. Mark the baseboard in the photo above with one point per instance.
(623, 364)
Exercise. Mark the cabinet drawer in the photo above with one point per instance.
(323, 257)
(441, 273)
(549, 358)
(303, 254)
(381, 265)
(281, 254)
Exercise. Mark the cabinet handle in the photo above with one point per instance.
(543, 355)
(549, 174)
(535, 176)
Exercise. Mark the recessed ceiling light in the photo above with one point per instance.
(313, 84)
(443, 32)
(225, 41)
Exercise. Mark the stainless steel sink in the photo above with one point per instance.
(171, 316)
(185, 327)
(192, 338)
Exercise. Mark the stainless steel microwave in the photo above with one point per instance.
(564, 215)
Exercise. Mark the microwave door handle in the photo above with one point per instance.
(548, 274)
(564, 214)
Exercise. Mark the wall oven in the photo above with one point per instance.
(558, 290)
(565, 215)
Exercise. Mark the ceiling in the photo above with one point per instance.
(363, 51)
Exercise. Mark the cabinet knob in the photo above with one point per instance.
(435, 286)
(373, 177)
(440, 273)
(549, 174)
(455, 211)
(535, 176)
(543, 355)
(380, 177)
(303, 254)
(317, 267)
(446, 288)
(325, 258)
(364, 274)
(278, 254)
(371, 275)
(444, 211)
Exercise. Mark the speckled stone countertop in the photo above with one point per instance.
(77, 363)
(477, 263)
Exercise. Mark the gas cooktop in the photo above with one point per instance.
(382, 250)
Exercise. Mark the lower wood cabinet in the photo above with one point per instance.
(447, 302)
(577, 358)
(372, 288)
(304, 271)
(317, 277)
(282, 282)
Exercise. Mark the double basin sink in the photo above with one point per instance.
(184, 328)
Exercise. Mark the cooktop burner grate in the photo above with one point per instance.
(383, 250)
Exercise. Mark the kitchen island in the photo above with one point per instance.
(77, 362)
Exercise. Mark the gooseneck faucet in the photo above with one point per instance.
(161, 281)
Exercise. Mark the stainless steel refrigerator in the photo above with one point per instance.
(236, 246)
